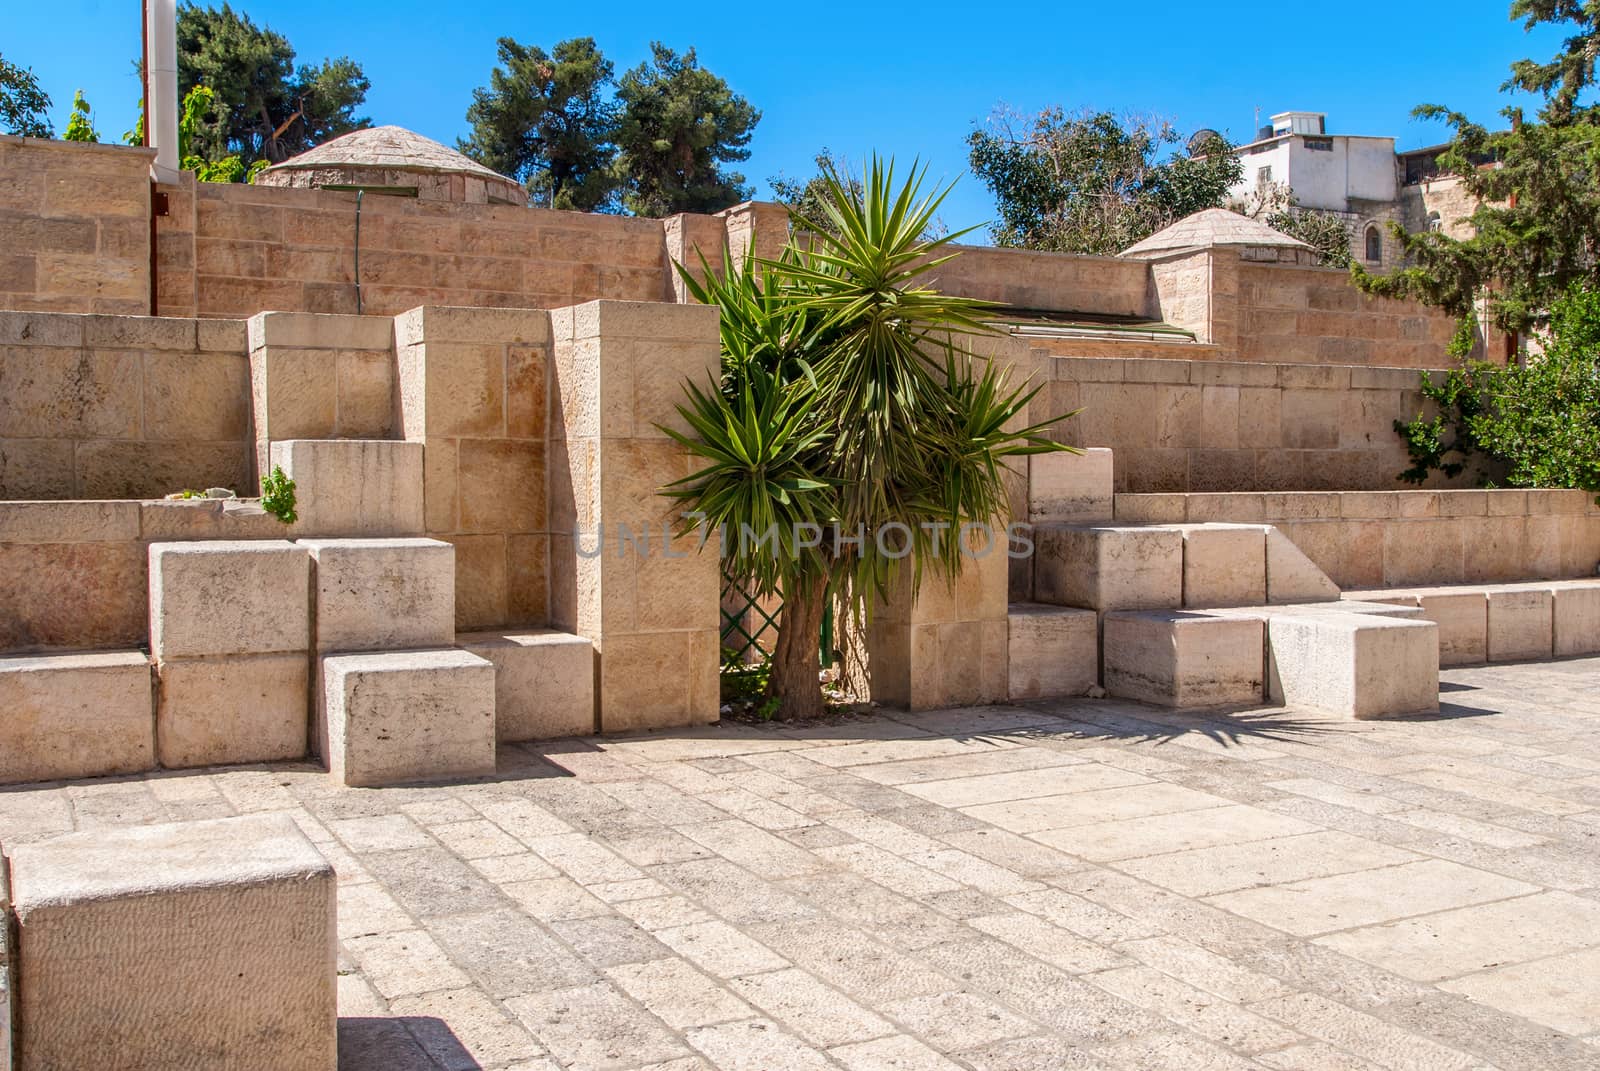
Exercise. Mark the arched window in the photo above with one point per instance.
(1374, 244)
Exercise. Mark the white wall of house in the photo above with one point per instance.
(1328, 178)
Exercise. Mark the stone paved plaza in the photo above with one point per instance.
(1068, 885)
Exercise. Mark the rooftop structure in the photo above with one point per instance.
(394, 160)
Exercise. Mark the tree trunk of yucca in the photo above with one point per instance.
(796, 665)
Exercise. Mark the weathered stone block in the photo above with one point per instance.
(78, 715)
(1180, 659)
(408, 716)
(146, 947)
(1054, 650)
(1291, 576)
(543, 682)
(1073, 488)
(232, 709)
(1108, 568)
(223, 597)
(1224, 565)
(1353, 665)
(1463, 620)
(354, 487)
(1577, 618)
(382, 594)
(1521, 624)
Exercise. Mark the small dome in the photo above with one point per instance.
(1212, 227)
(392, 157)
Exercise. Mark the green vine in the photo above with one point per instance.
(277, 495)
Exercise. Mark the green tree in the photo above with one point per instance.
(1094, 183)
(848, 403)
(266, 107)
(80, 124)
(24, 107)
(1326, 233)
(680, 124)
(548, 120)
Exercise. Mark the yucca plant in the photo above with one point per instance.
(847, 403)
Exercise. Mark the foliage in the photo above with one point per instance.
(277, 495)
(680, 124)
(1537, 224)
(547, 120)
(1538, 421)
(805, 199)
(24, 107)
(1094, 183)
(80, 124)
(266, 108)
(848, 406)
(1276, 205)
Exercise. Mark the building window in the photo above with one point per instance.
(1319, 144)
(1264, 177)
(1374, 244)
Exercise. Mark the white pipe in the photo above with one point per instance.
(162, 120)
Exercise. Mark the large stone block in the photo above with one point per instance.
(543, 682)
(1521, 624)
(382, 594)
(232, 709)
(354, 487)
(78, 715)
(1224, 565)
(1055, 650)
(1072, 488)
(197, 944)
(1180, 659)
(223, 597)
(1354, 665)
(1291, 576)
(1463, 620)
(408, 716)
(1108, 568)
(1577, 618)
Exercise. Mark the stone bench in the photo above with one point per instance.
(1356, 665)
(75, 715)
(1177, 658)
(399, 716)
(543, 682)
(1531, 620)
(1108, 567)
(1054, 650)
(205, 943)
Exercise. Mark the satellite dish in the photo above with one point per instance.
(1200, 139)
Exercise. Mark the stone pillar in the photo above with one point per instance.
(759, 224)
(474, 389)
(691, 237)
(649, 605)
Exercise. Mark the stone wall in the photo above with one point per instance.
(121, 406)
(1408, 538)
(1232, 426)
(74, 226)
(1025, 279)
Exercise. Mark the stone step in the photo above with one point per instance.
(399, 716)
(1071, 488)
(75, 715)
(1521, 621)
(210, 941)
(1053, 650)
(543, 682)
(354, 487)
(1180, 658)
(1356, 665)
(382, 594)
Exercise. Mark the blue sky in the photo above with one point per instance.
(909, 80)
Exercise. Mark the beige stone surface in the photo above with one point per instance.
(1108, 568)
(408, 716)
(78, 715)
(354, 487)
(140, 944)
(543, 684)
(1521, 624)
(1054, 650)
(1180, 659)
(232, 709)
(1353, 665)
(71, 595)
(224, 597)
(1073, 488)
(8, 984)
(1291, 576)
(379, 594)
(1463, 620)
(1576, 619)
(1224, 565)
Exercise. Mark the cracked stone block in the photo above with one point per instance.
(206, 943)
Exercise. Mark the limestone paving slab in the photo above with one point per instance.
(1069, 883)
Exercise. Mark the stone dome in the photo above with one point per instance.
(397, 159)
(1213, 227)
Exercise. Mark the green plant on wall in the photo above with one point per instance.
(80, 124)
(198, 106)
(277, 495)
